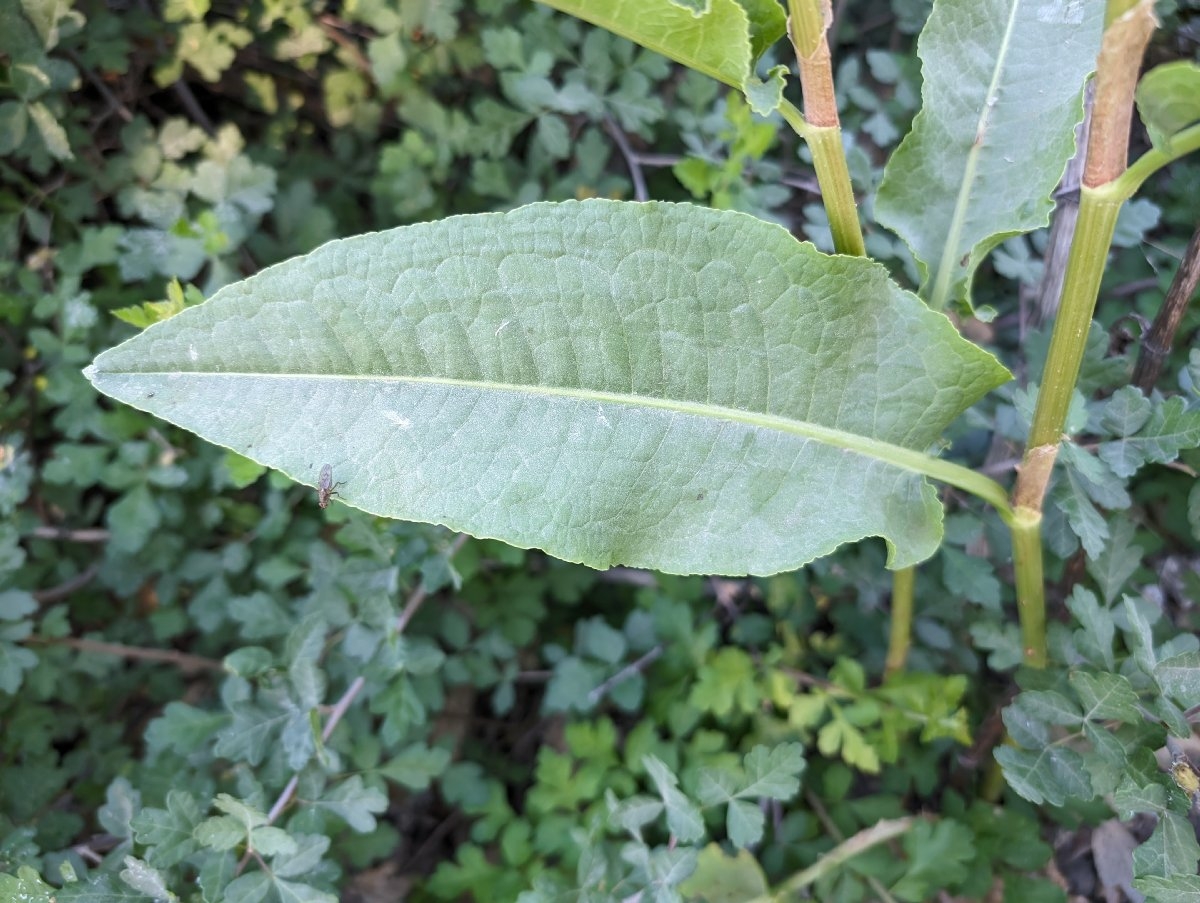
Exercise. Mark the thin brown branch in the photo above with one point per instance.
(334, 28)
(626, 673)
(631, 160)
(67, 587)
(98, 83)
(182, 660)
(1156, 345)
(83, 534)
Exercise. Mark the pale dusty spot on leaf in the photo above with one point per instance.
(398, 419)
(193, 355)
(600, 418)
(502, 327)
(1069, 12)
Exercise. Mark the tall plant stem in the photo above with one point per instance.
(1128, 26)
(1098, 211)
(833, 177)
(808, 23)
(900, 639)
(1031, 598)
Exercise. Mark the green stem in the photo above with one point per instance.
(1127, 184)
(1098, 209)
(900, 638)
(833, 176)
(1026, 530)
(837, 194)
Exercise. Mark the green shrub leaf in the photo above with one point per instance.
(651, 384)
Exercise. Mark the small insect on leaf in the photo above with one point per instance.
(326, 488)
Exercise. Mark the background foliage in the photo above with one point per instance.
(174, 621)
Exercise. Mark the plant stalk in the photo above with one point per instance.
(837, 194)
(1031, 595)
(900, 638)
(1098, 209)
(808, 30)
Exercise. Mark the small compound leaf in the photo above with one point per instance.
(1171, 849)
(183, 729)
(355, 803)
(938, 854)
(1173, 889)
(774, 772)
(1129, 799)
(1179, 678)
(294, 892)
(303, 858)
(683, 818)
(169, 832)
(220, 833)
(416, 766)
(250, 888)
(1170, 429)
(744, 822)
(1050, 706)
(145, 879)
(27, 886)
(1051, 775)
(1120, 558)
(1106, 696)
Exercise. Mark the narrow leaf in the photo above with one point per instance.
(658, 385)
(1001, 97)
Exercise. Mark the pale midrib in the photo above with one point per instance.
(887, 452)
(950, 252)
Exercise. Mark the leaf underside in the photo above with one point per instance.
(656, 385)
(1002, 94)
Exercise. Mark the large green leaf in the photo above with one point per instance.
(721, 38)
(1003, 81)
(651, 384)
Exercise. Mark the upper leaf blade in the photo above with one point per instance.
(711, 36)
(1000, 101)
(654, 384)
